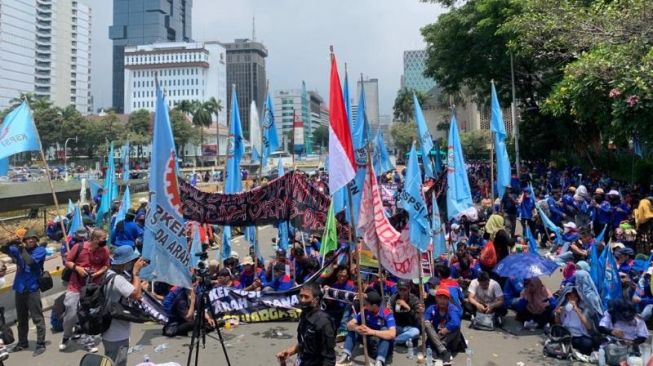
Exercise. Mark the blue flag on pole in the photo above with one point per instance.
(360, 138)
(125, 163)
(424, 139)
(459, 196)
(345, 96)
(532, 243)
(283, 225)
(612, 282)
(4, 167)
(380, 158)
(550, 225)
(438, 161)
(439, 241)
(597, 273)
(18, 132)
(195, 246)
(71, 207)
(76, 223)
(108, 192)
(498, 128)
(164, 241)
(125, 205)
(94, 187)
(235, 151)
(413, 202)
(270, 138)
(599, 238)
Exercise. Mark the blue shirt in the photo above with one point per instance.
(281, 284)
(556, 213)
(450, 319)
(384, 319)
(247, 279)
(526, 208)
(27, 277)
(128, 235)
(603, 213)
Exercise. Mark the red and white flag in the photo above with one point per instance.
(342, 164)
(396, 253)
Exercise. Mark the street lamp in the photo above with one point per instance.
(65, 155)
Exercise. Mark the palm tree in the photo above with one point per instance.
(214, 107)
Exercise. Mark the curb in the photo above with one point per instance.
(47, 302)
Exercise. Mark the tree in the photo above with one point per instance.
(321, 136)
(403, 107)
(474, 143)
(182, 131)
(403, 135)
(214, 107)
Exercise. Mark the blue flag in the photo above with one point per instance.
(280, 170)
(195, 246)
(459, 196)
(270, 138)
(125, 163)
(76, 223)
(498, 128)
(18, 132)
(284, 234)
(345, 96)
(380, 158)
(109, 191)
(125, 205)
(360, 138)
(532, 243)
(94, 187)
(164, 242)
(413, 202)
(439, 241)
(612, 283)
(597, 273)
(424, 139)
(599, 238)
(438, 161)
(71, 207)
(550, 225)
(235, 151)
(4, 167)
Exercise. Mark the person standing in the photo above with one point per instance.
(116, 338)
(29, 257)
(89, 263)
(316, 335)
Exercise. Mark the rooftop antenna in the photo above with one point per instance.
(253, 28)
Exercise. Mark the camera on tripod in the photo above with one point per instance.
(202, 271)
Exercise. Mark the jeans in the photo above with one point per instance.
(29, 304)
(406, 333)
(117, 351)
(583, 344)
(565, 257)
(647, 312)
(71, 302)
(377, 348)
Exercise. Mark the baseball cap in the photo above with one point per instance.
(247, 261)
(403, 284)
(442, 291)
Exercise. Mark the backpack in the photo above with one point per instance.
(483, 321)
(6, 334)
(558, 344)
(93, 311)
(488, 257)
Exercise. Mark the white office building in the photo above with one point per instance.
(186, 71)
(45, 50)
(371, 99)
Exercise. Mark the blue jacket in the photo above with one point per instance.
(603, 213)
(556, 212)
(526, 208)
(128, 235)
(619, 216)
(451, 319)
(27, 277)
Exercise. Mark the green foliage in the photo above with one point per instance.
(474, 144)
(182, 130)
(404, 108)
(403, 135)
(321, 136)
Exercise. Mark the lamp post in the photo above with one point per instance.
(65, 155)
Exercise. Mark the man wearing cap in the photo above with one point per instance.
(251, 279)
(406, 308)
(619, 210)
(442, 326)
(116, 338)
(600, 211)
(380, 329)
(29, 258)
(279, 259)
(281, 281)
(89, 263)
(127, 232)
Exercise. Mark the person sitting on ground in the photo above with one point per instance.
(248, 280)
(407, 312)
(442, 326)
(280, 258)
(486, 296)
(643, 297)
(621, 321)
(179, 305)
(380, 330)
(572, 314)
(389, 286)
(475, 242)
(536, 304)
(281, 281)
(624, 259)
(224, 279)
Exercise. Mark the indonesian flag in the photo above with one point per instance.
(342, 165)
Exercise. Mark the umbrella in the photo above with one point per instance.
(525, 265)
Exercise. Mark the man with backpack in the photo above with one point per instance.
(29, 257)
(116, 338)
(89, 261)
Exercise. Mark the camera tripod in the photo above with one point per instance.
(199, 321)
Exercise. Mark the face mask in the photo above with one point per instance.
(102, 243)
(306, 306)
(569, 307)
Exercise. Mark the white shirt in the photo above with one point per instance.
(118, 287)
(632, 330)
(571, 321)
(485, 297)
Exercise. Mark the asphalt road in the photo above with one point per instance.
(257, 344)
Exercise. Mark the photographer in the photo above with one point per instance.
(116, 338)
(29, 258)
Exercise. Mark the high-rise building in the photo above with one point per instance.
(246, 70)
(307, 105)
(45, 50)
(287, 104)
(141, 22)
(371, 99)
(186, 71)
(413, 77)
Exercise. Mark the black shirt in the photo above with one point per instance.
(316, 339)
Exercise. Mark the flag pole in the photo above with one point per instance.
(54, 195)
(421, 299)
(378, 247)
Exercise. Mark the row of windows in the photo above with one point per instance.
(151, 104)
(176, 57)
(173, 93)
(182, 82)
(166, 72)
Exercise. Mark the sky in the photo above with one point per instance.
(370, 35)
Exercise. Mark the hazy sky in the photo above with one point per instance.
(370, 35)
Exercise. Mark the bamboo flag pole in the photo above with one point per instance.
(421, 300)
(54, 195)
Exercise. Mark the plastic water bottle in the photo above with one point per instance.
(469, 353)
(411, 350)
(146, 358)
(161, 348)
(429, 357)
(601, 357)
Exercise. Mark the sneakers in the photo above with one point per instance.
(447, 360)
(90, 348)
(376, 363)
(18, 347)
(345, 360)
(64, 344)
(530, 324)
(40, 348)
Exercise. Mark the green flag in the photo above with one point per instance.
(330, 237)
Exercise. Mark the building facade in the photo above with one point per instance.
(45, 49)
(414, 67)
(142, 22)
(186, 71)
(371, 99)
(246, 70)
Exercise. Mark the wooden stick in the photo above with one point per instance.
(54, 195)
(421, 300)
(359, 278)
